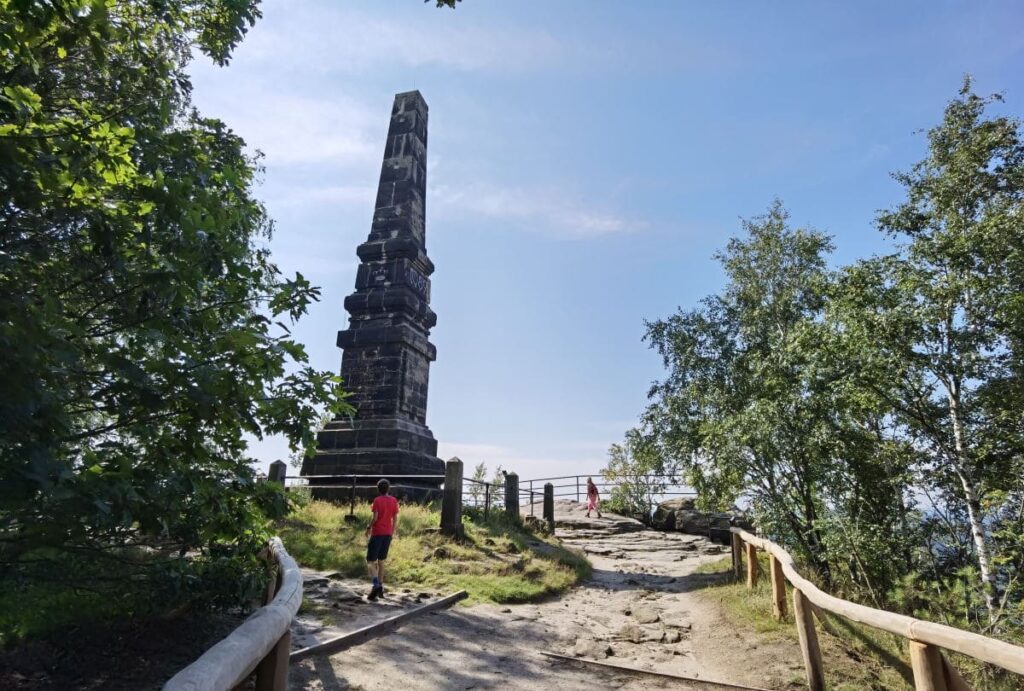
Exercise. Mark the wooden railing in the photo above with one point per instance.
(932, 671)
(261, 644)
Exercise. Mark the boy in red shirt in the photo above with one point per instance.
(380, 531)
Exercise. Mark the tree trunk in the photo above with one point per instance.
(988, 585)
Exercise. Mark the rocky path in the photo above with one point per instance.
(639, 609)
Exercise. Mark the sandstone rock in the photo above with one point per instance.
(586, 647)
(632, 633)
(664, 515)
(692, 522)
(673, 636)
(646, 615)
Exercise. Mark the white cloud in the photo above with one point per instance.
(292, 129)
(347, 41)
(535, 209)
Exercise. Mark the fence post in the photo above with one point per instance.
(272, 671)
(778, 588)
(451, 500)
(808, 641)
(512, 495)
(751, 566)
(737, 556)
(577, 489)
(352, 498)
(278, 472)
(487, 499)
(549, 505)
(926, 660)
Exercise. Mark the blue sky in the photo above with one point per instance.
(586, 159)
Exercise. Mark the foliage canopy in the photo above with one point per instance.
(144, 330)
(871, 414)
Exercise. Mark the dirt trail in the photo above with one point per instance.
(638, 609)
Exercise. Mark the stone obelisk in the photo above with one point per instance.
(386, 352)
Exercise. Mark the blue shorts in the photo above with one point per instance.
(377, 548)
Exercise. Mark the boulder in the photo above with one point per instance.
(692, 522)
(664, 515)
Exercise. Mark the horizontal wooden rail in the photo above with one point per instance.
(260, 644)
(931, 671)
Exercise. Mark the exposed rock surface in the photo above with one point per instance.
(681, 515)
(638, 609)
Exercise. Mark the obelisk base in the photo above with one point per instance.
(379, 448)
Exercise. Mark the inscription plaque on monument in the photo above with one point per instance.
(386, 352)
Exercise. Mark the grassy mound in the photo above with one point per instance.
(498, 562)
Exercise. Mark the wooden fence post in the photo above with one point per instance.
(926, 660)
(778, 588)
(512, 495)
(451, 500)
(808, 641)
(737, 556)
(272, 671)
(549, 506)
(751, 566)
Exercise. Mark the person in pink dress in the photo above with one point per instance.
(593, 498)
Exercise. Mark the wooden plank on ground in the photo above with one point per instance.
(366, 633)
(637, 670)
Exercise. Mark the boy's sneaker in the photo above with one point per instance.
(373, 593)
(380, 591)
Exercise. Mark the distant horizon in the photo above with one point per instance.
(580, 182)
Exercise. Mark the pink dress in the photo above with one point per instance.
(593, 502)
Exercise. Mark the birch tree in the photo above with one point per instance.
(940, 320)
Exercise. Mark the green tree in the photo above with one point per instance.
(639, 475)
(143, 326)
(750, 406)
(939, 322)
(478, 488)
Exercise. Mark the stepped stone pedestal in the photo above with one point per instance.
(386, 349)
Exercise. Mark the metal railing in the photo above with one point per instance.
(482, 494)
(575, 487)
(475, 493)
